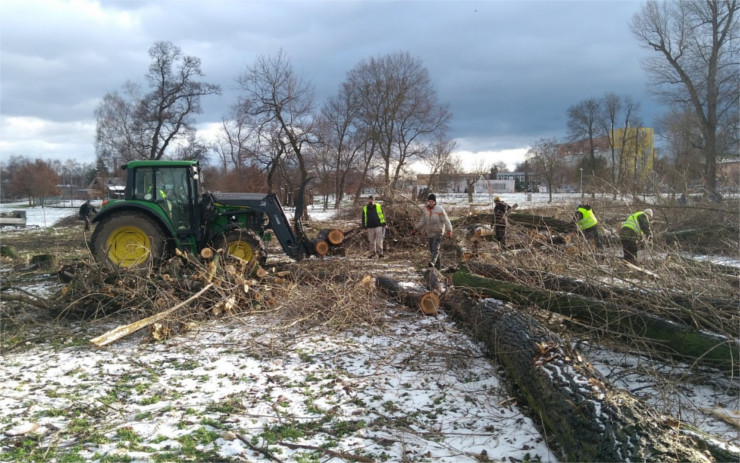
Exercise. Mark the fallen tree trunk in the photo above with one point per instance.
(589, 419)
(689, 308)
(664, 337)
(426, 301)
(532, 221)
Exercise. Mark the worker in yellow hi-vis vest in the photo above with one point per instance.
(635, 230)
(588, 224)
(373, 221)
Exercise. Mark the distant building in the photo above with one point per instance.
(522, 180)
(728, 173)
(106, 187)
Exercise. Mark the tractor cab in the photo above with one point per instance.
(173, 187)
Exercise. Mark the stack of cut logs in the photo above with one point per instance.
(329, 241)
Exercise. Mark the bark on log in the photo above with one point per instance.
(664, 337)
(590, 419)
(426, 301)
(688, 309)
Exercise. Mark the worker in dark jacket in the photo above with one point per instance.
(86, 211)
(634, 231)
(374, 222)
(588, 224)
(500, 211)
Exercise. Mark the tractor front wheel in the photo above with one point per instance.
(244, 244)
(128, 240)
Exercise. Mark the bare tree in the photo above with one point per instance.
(441, 162)
(130, 126)
(234, 145)
(119, 134)
(399, 109)
(544, 154)
(617, 110)
(695, 64)
(344, 139)
(585, 122)
(281, 105)
(679, 130)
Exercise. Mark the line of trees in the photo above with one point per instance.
(37, 179)
(695, 69)
(386, 116)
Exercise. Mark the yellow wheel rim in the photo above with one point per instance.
(128, 246)
(241, 249)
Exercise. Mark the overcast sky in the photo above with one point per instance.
(509, 70)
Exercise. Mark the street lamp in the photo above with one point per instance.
(581, 169)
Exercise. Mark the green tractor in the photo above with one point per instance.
(163, 210)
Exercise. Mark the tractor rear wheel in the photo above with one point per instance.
(244, 244)
(128, 240)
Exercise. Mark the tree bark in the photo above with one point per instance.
(689, 307)
(589, 419)
(665, 337)
(426, 301)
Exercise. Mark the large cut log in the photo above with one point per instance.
(333, 236)
(688, 309)
(124, 330)
(589, 419)
(663, 336)
(426, 301)
(321, 247)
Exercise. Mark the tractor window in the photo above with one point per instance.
(169, 187)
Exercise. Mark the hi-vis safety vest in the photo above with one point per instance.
(633, 224)
(381, 218)
(588, 219)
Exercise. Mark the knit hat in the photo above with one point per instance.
(431, 197)
(497, 199)
(649, 212)
(370, 197)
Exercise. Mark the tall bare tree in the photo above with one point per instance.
(441, 163)
(585, 122)
(679, 130)
(281, 105)
(544, 154)
(343, 138)
(130, 126)
(695, 64)
(399, 109)
(619, 112)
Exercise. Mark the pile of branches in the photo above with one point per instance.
(185, 290)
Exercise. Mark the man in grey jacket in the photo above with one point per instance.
(434, 222)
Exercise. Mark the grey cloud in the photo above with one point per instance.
(508, 69)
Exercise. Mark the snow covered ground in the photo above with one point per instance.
(238, 389)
